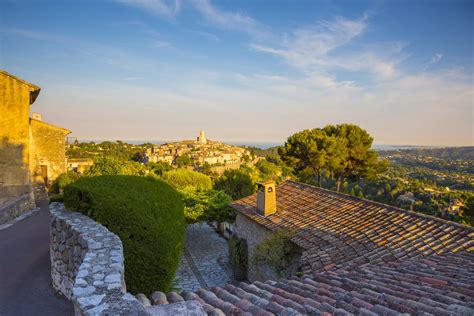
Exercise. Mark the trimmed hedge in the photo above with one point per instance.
(147, 215)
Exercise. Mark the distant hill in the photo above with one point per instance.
(447, 153)
(259, 152)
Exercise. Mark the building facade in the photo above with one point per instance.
(31, 151)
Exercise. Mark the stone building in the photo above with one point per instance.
(79, 165)
(31, 151)
(335, 229)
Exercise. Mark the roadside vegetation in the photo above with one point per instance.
(146, 213)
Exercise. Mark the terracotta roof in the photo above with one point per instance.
(440, 285)
(338, 230)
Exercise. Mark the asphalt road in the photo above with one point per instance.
(25, 282)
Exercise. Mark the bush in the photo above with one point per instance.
(236, 183)
(206, 205)
(63, 180)
(181, 178)
(147, 215)
(115, 166)
(238, 257)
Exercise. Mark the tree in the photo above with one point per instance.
(159, 168)
(236, 183)
(183, 161)
(181, 178)
(361, 160)
(338, 151)
(310, 152)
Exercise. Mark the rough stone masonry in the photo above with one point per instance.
(87, 266)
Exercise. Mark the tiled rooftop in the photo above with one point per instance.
(338, 230)
(440, 285)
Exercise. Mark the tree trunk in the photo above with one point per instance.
(338, 184)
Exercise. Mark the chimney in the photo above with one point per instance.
(266, 198)
(36, 116)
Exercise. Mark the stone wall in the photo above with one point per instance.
(16, 96)
(48, 151)
(87, 265)
(254, 234)
(15, 207)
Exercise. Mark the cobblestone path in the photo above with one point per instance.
(205, 262)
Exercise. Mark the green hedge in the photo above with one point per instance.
(147, 215)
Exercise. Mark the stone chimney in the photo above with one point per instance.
(36, 116)
(266, 198)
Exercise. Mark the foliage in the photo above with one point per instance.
(238, 257)
(56, 198)
(115, 166)
(236, 183)
(277, 252)
(158, 168)
(339, 152)
(63, 180)
(183, 161)
(147, 215)
(181, 178)
(206, 205)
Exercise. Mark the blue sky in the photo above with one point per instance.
(246, 70)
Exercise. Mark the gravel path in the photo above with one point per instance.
(25, 282)
(205, 260)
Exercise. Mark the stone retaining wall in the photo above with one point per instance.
(87, 265)
(15, 207)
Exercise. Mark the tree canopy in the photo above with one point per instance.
(337, 151)
(236, 183)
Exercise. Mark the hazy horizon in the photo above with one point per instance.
(258, 71)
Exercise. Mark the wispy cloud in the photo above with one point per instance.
(207, 35)
(328, 46)
(436, 58)
(164, 8)
(162, 44)
(230, 20)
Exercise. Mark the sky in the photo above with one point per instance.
(253, 71)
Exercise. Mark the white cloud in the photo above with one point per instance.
(227, 19)
(329, 46)
(436, 58)
(162, 44)
(165, 8)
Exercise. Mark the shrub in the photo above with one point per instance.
(206, 205)
(236, 183)
(115, 166)
(181, 178)
(277, 252)
(147, 215)
(63, 180)
(238, 257)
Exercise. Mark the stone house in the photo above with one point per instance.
(79, 165)
(31, 150)
(336, 230)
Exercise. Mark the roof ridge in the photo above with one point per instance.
(35, 87)
(390, 207)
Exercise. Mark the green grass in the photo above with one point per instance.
(147, 215)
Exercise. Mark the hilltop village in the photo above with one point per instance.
(201, 151)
